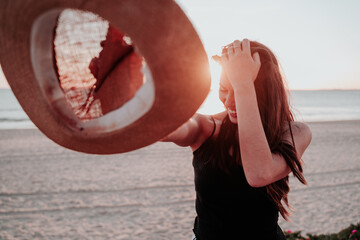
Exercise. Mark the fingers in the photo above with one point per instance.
(224, 58)
(256, 58)
(230, 50)
(235, 48)
(246, 46)
(237, 45)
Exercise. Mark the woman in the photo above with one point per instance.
(242, 157)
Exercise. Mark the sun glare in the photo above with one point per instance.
(212, 103)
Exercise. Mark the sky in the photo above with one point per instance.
(316, 42)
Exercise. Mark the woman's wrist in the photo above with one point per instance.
(243, 86)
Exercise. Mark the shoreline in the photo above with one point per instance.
(307, 122)
(333, 121)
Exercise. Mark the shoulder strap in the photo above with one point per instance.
(197, 151)
(292, 136)
(213, 131)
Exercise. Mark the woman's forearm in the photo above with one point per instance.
(257, 159)
(185, 135)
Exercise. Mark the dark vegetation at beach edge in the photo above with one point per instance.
(350, 233)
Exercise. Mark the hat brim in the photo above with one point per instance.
(162, 34)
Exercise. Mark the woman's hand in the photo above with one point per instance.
(240, 67)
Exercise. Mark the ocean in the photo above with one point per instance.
(326, 105)
(309, 106)
(12, 115)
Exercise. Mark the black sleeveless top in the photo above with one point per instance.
(227, 206)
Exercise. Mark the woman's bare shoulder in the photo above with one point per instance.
(301, 128)
(302, 136)
(220, 116)
(207, 127)
(207, 122)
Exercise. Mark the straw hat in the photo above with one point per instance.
(177, 74)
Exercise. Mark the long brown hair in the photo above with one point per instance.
(275, 112)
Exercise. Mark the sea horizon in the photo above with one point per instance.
(313, 105)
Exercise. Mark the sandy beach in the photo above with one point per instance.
(48, 192)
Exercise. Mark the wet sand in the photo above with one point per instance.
(48, 192)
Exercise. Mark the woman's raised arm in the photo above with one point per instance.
(261, 167)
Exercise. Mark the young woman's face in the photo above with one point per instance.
(226, 95)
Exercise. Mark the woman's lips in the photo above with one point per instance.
(232, 113)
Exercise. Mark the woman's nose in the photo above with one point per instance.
(229, 102)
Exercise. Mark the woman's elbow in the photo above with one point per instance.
(258, 180)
